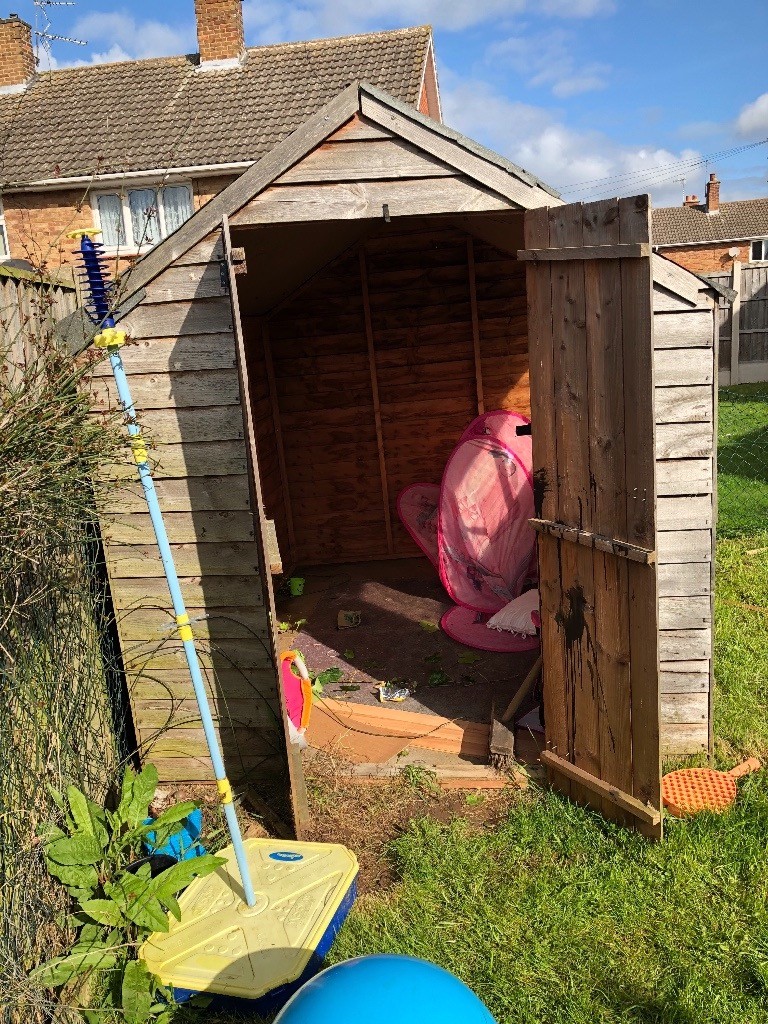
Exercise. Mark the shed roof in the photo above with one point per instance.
(689, 225)
(166, 112)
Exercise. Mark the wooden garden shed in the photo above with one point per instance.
(318, 335)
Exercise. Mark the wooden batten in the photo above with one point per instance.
(375, 398)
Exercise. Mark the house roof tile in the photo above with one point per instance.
(687, 225)
(166, 112)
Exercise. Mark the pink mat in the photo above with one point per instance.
(460, 624)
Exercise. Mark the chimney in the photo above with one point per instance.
(220, 34)
(691, 201)
(713, 194)
(17, 61)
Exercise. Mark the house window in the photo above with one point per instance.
(137, 218)
(4, 252)
(760, 249)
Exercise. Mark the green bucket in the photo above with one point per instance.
(296, 586)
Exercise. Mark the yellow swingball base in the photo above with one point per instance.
(304, 891)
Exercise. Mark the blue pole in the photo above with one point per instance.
(111, 339)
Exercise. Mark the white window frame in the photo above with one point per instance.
(122, 191)
(5, 249)
(764, 257)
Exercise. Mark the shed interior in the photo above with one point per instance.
(371, 346)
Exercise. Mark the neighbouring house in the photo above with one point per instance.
(707, 237)
(136, 147)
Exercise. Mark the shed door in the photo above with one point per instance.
(591, 347)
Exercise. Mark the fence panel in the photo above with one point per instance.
(743, 355)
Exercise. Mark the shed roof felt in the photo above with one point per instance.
(166, 112)
(688, 225)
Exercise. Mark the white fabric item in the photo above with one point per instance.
(177, 206)
(516, 617)
(111, 217)
(143, 206)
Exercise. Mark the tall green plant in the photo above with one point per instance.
(116, 905)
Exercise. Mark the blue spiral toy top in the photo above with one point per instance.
(94, 274)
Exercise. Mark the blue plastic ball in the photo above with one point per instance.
(384, 989)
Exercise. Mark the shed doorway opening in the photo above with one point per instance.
(363, 377)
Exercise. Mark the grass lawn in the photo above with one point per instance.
(553, 915)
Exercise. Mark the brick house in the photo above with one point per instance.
(137, 147)
(707, 237)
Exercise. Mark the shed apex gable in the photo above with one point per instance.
(359, 98)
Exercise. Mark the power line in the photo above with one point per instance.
(662, 171)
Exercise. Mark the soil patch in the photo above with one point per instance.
(367, 817)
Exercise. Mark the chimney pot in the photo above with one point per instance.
(17, 60)
(220, 33)
(691, 201)
(713, 194)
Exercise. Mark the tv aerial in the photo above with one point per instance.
(43, 35)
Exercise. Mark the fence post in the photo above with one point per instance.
(735, 316)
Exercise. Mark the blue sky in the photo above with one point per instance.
(597, 97)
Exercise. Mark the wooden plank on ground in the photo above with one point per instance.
(646, 814)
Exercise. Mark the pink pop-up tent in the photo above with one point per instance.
(474, 527)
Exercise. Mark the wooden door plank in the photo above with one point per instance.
(637, 307)
(541, 357)
(576, 616)
(607, 477)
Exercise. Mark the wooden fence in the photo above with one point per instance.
(30, 306)
(743, 355)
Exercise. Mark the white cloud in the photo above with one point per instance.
(581, 164)
(752, 121)
(547, 60)
(116, 35)
(274, 21)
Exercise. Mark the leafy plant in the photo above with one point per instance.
(117, 903)
(322, 679)
(420, 778)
